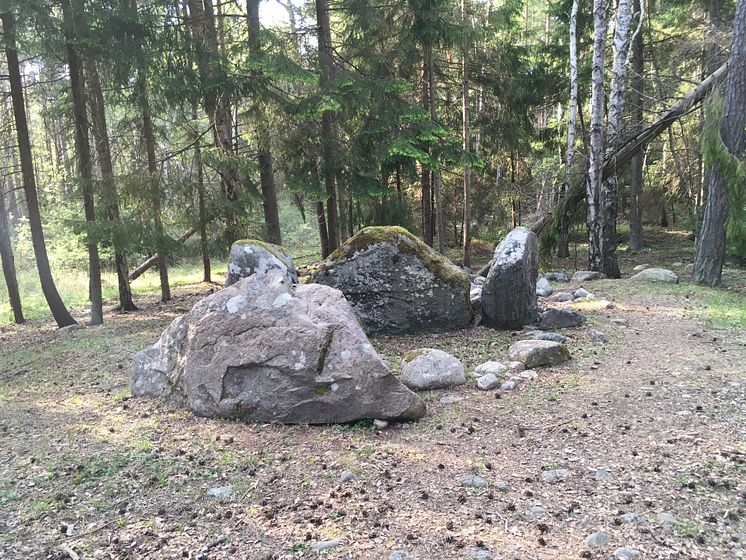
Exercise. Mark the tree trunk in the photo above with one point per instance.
(216, 105)
(109, 190)
(60, 313)
(596, 156)
(427, 235)
(71, 15)
(153, 182)
(609, 188)
(266, 173)
(323, 233)
(708, 263)
(436, 184)
(328, 128)
(465, 134)
(8, 263)
(563, 250)
(203, 246)
(636, 165)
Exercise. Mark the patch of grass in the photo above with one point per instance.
(73, 288)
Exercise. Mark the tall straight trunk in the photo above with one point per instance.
(60, 313)
(465, 144)
(200, 185)
(436, 182)
(609, 188)
(266, 173)
(203, 246)
(109, 190)
(328, 128)
(708, 263)
(427, 217)
(596, 152)
(7, 260)
(154, 182)
(323, 233)
(215, 103)
(71, 15)
(563, 249)
(636, 165)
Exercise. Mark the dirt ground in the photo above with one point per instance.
(651, 422)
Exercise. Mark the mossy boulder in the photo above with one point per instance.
(251, 256)
(397, 284)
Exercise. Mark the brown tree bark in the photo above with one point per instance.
(60, 313)
(465, 144)
(266, 173)
(636, 165)
(71, 15)
(708, 263)
(427, 215)
(109, 190)
(7, 260)
(328, 128)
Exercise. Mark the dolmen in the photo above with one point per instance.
(266, 350)
(397, 284)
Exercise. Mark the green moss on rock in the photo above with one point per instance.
(405, 243)
(276, 250)
(413, 355)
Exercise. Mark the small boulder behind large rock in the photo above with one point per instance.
(428, 368)
(250, 256)
(535, 353)
(265, 351)
(509, 295)
(560, 319)
(397, 284)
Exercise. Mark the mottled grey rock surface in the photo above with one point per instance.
(397, 284)
(428, 368)
(262, 350)
(535, 353)
(662, 275)
(250, 256)
(560, 319)
(509, 295)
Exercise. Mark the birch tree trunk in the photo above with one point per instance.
(597, 132)
(71, 15)
(609, 189)
(563, 250)
(708, 264)
(56, 306)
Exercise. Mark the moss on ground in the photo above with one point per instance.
(405, 242)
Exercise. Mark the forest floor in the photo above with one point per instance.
(650, 423)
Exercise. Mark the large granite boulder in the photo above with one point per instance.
(397, 284)
(250, 256)
(266, 351)
(509, 295)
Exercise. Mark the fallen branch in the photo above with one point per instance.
(153, 259)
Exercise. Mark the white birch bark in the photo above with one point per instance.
(621, 47)
(596, 155)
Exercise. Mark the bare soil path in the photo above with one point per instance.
(650, 423)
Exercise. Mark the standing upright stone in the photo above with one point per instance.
(509, 295)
